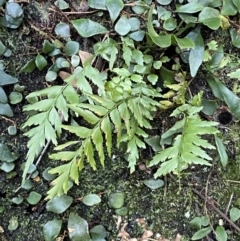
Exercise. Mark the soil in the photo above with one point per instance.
(166, 211)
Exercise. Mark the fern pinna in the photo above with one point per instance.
(187, 147)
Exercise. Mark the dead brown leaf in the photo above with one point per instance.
(147, 234)
(70, 230)
(84, 56)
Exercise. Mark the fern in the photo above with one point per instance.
(53, 108)
(188, 146)
(128, 116)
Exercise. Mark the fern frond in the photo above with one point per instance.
(188, 145)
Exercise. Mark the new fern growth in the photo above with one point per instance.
(188, 146)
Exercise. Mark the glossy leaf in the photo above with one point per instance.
(78, 228)
(98, 233)
(116, 200)
(189, 8)
(170, 24)
(154, 184)
(3, 96)
(6, 155)
(91, 199)
(40, 62)
(234, 214)
(114, 8)
(87, 28)
(47, 47)
(52, 229)
(6, 79)
(122, 26)
(62, 30)
(100, 4)
(59, 204)
(197, 53)
(34, 198)
(51, 76)
(71, 48)
(29, 66)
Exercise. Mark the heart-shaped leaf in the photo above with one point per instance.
(87, 28)
(122, 26)
(154, 184)
(6, 79)
(52, 229)
(91, 199)
(234, 214)
(59, 204)
(34, 198)
(114, 8)
(78, 228)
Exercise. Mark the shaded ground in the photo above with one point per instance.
(167, 210)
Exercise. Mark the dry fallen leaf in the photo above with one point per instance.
(178, 237)
(1, 229)
(123, 234)
(63, 75)
(147, 234)
(84, 56)
(70, 230)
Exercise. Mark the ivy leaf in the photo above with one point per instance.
(87, 28)
(114, 8)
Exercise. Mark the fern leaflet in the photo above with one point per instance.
(188, 145)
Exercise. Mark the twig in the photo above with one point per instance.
(80, 13)
(229, 203)
(233, 181)
(211, 204)
(208, 201)
(40, 156)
